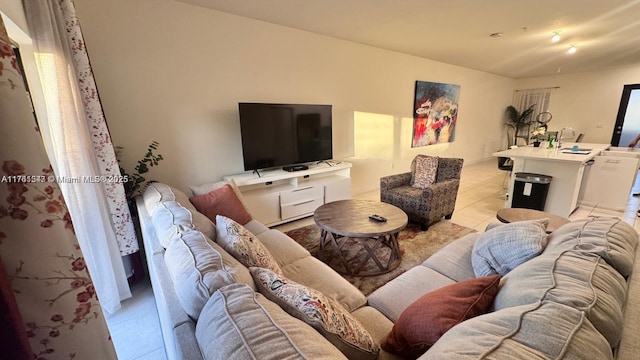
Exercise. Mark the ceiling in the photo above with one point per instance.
(605, 32)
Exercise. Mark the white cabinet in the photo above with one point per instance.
(278, 196)
(301, 201)
(337, 189)
(608, 181)
(263, 205)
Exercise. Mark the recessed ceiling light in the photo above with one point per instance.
(572, 49)
(556, 36)
(496, 35)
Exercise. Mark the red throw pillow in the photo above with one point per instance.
(222, 201)
(423, 322)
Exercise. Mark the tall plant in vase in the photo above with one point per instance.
(135, 182)
(518, 120)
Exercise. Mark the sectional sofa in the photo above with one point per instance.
(574, 296)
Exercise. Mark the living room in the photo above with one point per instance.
(182, 70)
(174, 72)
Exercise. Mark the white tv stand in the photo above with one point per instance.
(278, 196)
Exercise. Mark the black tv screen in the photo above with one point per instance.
(284, 134)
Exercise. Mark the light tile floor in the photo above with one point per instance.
(135, 328)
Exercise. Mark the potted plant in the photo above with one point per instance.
(518, 120)
(136, 183)
(539, 134)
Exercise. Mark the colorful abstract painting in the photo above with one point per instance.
(435, 113)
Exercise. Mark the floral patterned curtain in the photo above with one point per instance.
(79, 147)
(48, 275)
(103, 148)
(100, 138)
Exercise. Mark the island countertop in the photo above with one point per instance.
(561, 155)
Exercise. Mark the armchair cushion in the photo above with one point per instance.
(425, 171)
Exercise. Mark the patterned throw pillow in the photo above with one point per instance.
(503, 248)
(243, 245)
(425, 171)
(319, 311)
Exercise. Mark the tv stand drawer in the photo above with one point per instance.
(277, 196)
(299, 194)
(302, 207)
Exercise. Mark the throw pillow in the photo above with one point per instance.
(243, 245)
(222, 201)
(425, 171)
(502, 248)
(423, 322)
(319, 311)
(209, 187)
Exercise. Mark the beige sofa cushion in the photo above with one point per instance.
(159, 193)
(198, 267)
(378, 326)
(454, 259)
(169, 219)
(583, 281)
(540, 331)
(256, 227)
(284, 250)
(611, 238)
(411, 284)
(156, 193)
(238, 324)
(315, 274)
(321, 312)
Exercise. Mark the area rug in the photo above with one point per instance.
(415, 247)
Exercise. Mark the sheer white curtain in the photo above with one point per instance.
(70, 141)
(539, 98)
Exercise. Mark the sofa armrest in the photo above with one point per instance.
(394, 181)
(178, 329)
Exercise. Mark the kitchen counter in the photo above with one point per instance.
(564, 166)
(587, 152)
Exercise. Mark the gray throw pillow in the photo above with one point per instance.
(502, 248)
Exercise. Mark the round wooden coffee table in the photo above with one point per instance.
(354, 239)
(508, 215)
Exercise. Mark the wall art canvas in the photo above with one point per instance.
(435, 113)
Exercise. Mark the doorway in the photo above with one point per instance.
(628, 120)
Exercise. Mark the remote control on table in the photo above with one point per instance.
(377, 218)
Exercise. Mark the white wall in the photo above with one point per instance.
(174, 73)
(588, 102)
(13, 9)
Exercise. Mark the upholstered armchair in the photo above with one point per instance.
(424, 202)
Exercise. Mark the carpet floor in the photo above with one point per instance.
(415, 247)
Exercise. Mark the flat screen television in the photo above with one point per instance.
(284, 134)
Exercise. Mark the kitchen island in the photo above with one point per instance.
(564, 165)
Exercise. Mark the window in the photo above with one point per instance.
(540, 98)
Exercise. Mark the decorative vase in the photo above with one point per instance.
(536, 143)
